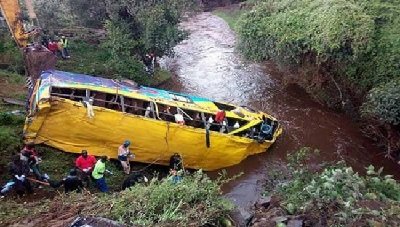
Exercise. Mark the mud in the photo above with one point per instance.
(207, 65)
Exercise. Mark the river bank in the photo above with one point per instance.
(206, 64)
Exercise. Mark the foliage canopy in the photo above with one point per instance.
(360, 37)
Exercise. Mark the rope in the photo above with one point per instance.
(38, 181)
(140, 170)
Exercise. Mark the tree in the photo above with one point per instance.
(153, 24)
(122, 61)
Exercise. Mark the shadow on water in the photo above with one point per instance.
(206, 65)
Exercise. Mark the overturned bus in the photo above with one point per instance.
(73, 112)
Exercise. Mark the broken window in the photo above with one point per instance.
(225, 107)
(69, 93)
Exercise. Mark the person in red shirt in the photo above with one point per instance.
(53, 47)
(85, 164)
(220, 116)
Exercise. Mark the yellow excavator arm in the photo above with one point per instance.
(12, 13)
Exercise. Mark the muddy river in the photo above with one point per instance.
(206, 65)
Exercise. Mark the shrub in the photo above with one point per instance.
(10, 54)
(119, 44)
(335, 185)
(358, 38)
(11, 119)
(383, 102)
(195, 200)
(9, 141)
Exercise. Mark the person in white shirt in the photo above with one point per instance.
(124, 155)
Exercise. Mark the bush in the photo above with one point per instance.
(358, 38)
(152, 24)
(195, 200)
(9, 141)
(69, 13)
(11, 119)
(335, 185)
(121, 61)
(383, 102)
(10, 54)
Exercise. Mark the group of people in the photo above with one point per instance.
(87, 170)
(59, 46)
(24, 163)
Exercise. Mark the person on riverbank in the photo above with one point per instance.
(175, 162)
(60, 49)
(124, 155)
(175, 168)
(98, 174)
(18, 170)
(30, 156)
(72, 183)
(85, 164)
(53, 47)
(65, 43)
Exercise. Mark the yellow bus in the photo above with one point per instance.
(74, 112)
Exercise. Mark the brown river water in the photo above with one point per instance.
(207, 65)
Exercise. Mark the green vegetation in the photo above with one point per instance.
(102, 61)
(149, 26)
(231, 16)
(359, 37)
(356, 42)
(134, 29)
(384, 102)
(118, 45)
(86, 58)
(12, 77)
(344, 195)
(57, 14)
(10, 55)
(152, 25)
(194, 201)
(10, 139)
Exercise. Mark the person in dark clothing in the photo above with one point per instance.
(71, 183)
(29, 154)
(45, 40)
(19, 170)
(175, 162)
(132, 179)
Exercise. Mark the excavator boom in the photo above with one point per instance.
(37, 58)
(12, 13)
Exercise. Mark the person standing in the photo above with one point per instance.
(175, 162)
(60, 49)
(64, 41)
(85, 164)
(124, 155)
(98, 174)
(52, 46)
